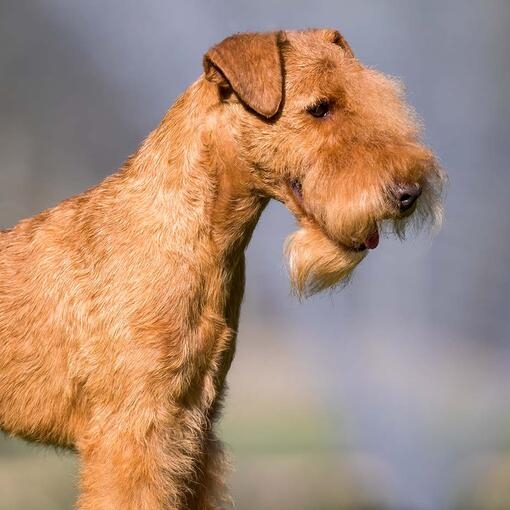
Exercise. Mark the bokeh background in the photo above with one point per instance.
(391, 394)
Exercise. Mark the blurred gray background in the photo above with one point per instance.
(392, 394)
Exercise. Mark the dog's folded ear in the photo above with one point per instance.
(335, 37)
(251, 65)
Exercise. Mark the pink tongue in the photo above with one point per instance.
(373, 240)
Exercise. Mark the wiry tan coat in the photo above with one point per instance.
(119, 307)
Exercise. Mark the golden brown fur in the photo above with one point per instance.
(119, 307)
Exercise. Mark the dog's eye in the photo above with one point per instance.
(320, 109)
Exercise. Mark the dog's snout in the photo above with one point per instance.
(406, 196)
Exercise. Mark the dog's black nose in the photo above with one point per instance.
(406, 195)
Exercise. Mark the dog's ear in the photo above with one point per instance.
(251, 65)
(335, 37)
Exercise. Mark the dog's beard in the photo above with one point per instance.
(316, 263)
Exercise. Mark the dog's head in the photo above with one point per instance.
(331, 139)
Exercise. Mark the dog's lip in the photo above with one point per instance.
(296, 191)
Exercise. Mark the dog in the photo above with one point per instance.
(119, 307)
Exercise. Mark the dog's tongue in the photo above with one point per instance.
(372, 240)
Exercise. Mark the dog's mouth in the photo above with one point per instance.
(371, 242)
(296, 192)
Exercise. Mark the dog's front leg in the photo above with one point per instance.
(138, 462)
(209, 492)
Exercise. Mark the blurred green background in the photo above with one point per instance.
(392, 394)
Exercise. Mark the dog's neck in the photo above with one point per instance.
(194, 196)
(201, 172)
